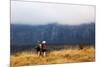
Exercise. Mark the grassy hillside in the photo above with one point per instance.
(54, 57)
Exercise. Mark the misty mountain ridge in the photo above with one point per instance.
(53, 23)
(53, 33)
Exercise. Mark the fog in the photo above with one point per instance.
(35, 13)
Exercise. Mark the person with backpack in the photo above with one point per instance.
(39, 48)
(44, 48)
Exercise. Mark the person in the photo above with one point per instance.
(39, 48)
(44, 48)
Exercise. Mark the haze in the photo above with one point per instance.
(35, 13)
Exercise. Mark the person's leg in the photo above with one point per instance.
(44, 53)
(39, 53)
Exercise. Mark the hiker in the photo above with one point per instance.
(39, 48)
(44, 48)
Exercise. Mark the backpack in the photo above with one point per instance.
(44, 46)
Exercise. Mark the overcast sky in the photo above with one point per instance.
(35, 13)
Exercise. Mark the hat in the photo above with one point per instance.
(43, 41)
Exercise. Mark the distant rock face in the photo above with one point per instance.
(53, 34)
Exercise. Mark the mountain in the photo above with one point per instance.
(52, 33)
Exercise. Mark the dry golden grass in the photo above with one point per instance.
(54, 57)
